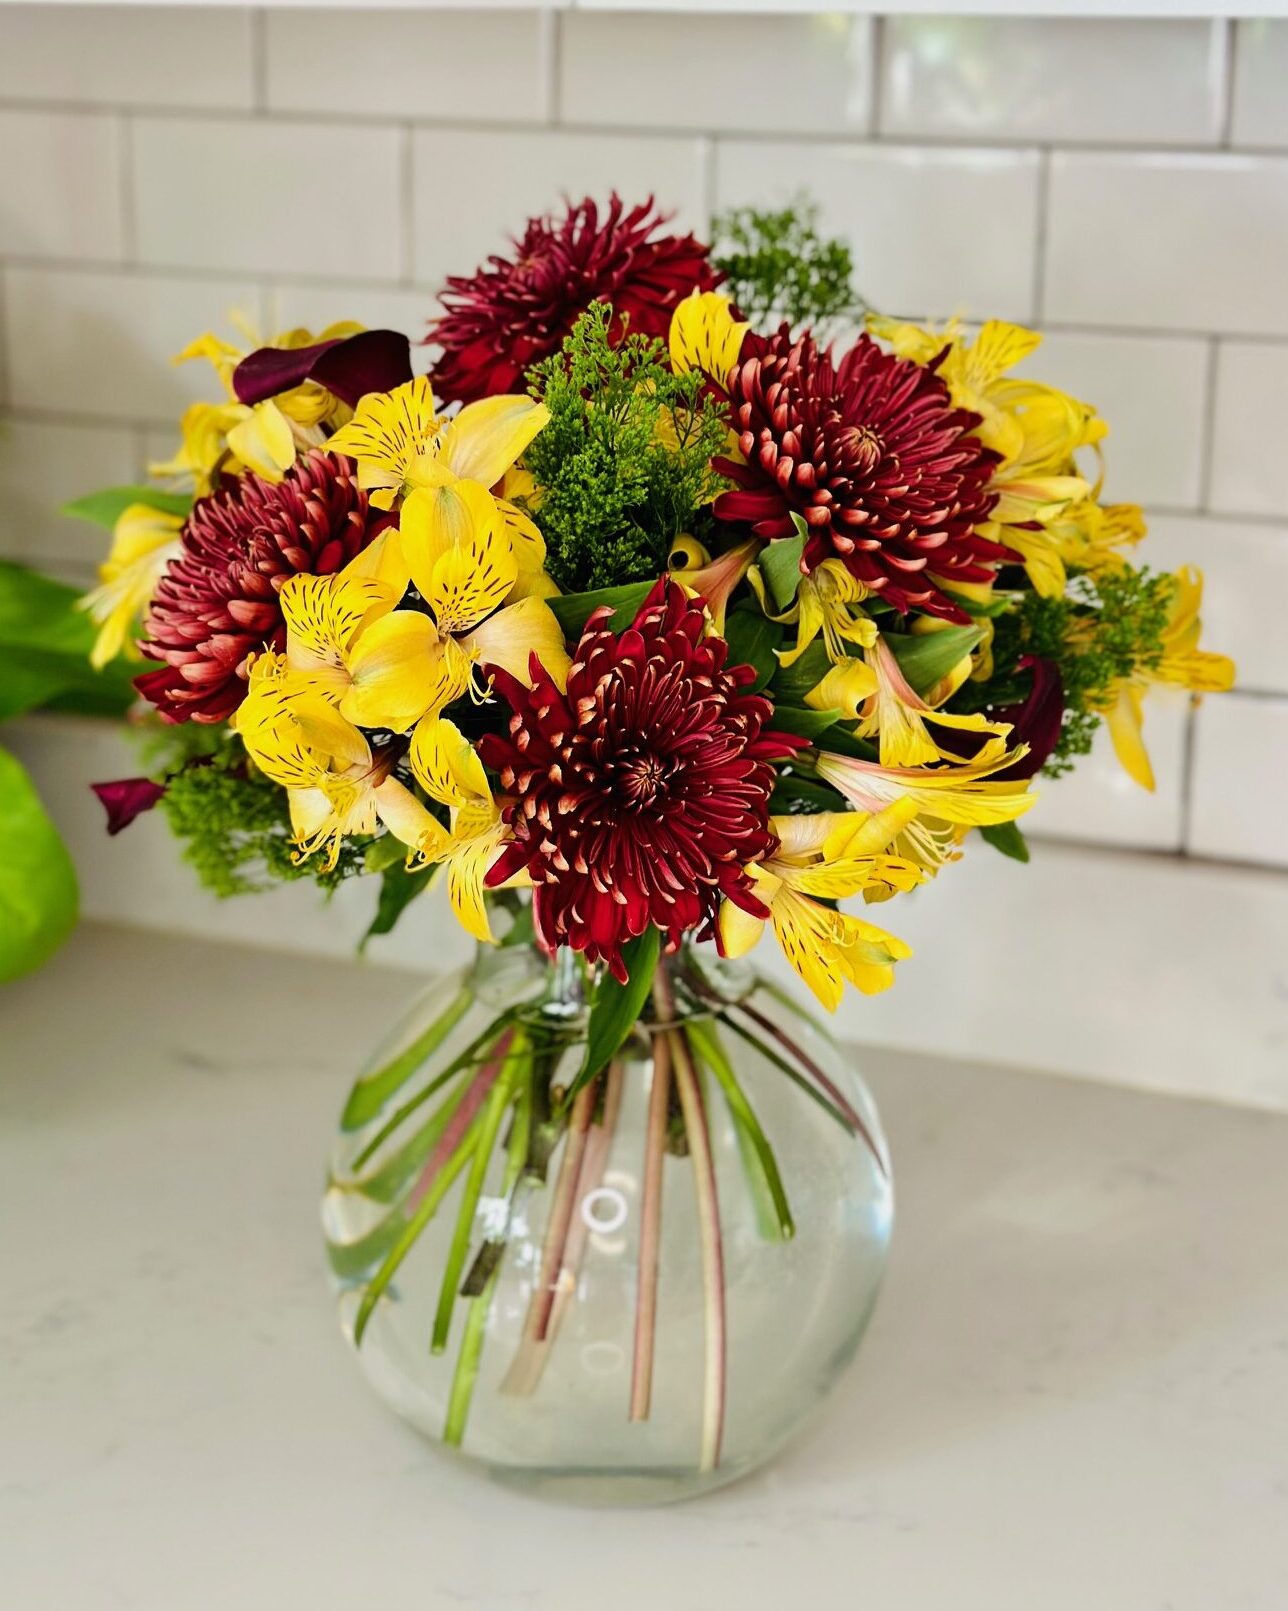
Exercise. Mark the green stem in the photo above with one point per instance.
(498, 1100)
(794, 1074)
(370, 1095)
(763, 1176)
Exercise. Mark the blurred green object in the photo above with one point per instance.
(44, 665)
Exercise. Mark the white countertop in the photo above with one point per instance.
(1074, 1396)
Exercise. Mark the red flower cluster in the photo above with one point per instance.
(638, 796)
(217, 602)
(871, 453)
(515, 311)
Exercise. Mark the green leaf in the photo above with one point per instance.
(804, 723)
(752, 638)
(998, 604)
(398, 888)
(617, 1007)
(1007, 838)
(926, 657)
(780, 565)
(573, 610)
(792, 683)
(38, 895)
(794, 794)
(105, 508)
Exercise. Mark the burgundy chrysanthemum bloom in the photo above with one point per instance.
(217, 602)
(871, 453)
(639, 796)
(513, 312)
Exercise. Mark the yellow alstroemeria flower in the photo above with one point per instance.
(229, 438)
(336, 784)
(950, 798)
(827, 856)
(323, 615)
(448, 769)
(706, 336)
(406, 665)
(1183, 665)
(826, 601)
(890, 710)
(401, 444)
(144, 541)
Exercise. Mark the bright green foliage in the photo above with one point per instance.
(232, 821)
(38, 895)
(625, 462)
(1100, 632)
(780, 266)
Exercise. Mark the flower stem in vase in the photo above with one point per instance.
(659, 1102)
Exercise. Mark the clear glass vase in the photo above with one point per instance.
(625, 1293)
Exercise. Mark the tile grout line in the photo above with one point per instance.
(258, 24)
(1189, 745)
(1207, 442)
(126, 199)
(407, 206)
(876, 87)
(1037, 290)
(1226, 74)
(550, 44)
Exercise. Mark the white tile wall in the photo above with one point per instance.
(1168, 240)
(623, 69)
(473, 189)
(127, 56)
(1251, 428)
(268, 198)
(1124, 183)
(978, 253)
(1261, 71)
(430, 64)
(61, 185)
(1022, 78)
(1240, 765)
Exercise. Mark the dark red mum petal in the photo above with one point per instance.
(872, 455)
(640, 795)
(127, 798)
(514, 311)
(217, 601)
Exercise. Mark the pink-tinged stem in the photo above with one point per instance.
(561, 1209)
(659, 1101)
(476, 1094)
(713, 1280)
(524, 1374)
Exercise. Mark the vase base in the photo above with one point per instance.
(617, 1488)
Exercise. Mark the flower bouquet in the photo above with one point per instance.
(683, 599)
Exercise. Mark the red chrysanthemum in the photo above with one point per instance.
(871, 453)
(217, 602)
(639, 796)
(514, 311)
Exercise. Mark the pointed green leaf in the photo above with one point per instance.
(105, 508)
(1007, 838)
(804, 723)
(752, 638)
(780, 565)
(573, 610)
(617, 1007)
(926, 657)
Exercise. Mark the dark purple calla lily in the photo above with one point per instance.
(372, 361)
(1035, 721)
(126, 798)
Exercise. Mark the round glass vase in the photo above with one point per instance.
(628, 1290)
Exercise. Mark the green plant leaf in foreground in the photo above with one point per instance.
(45, 645)
(38, 895)
(926, 657)
(1007, 838)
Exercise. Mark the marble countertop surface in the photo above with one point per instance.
(1074, 1396)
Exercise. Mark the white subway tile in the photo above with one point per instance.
(442, 64)
(1240, 763)
(1098, 803)
(933, 231)
(274, 198)
(126, 55)
(60, 184)
(1185, 242)
(1260, 75)
(790, 75)
(42, 466)
(475, 189)
(378, 307)
(100, 344)
(1245, 588)
(1150, 390)
(1020, 78)
(1250, 430)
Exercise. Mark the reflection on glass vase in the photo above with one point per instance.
(614, 1292)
